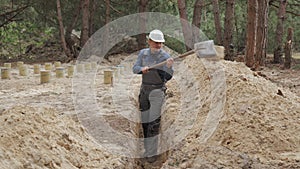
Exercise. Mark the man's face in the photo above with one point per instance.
(154, 46)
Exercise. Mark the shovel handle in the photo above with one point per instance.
(175, 58)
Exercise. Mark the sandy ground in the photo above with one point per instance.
(217, 114)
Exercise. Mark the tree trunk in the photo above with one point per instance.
(85, 22)
(185, 25)
(251, 33)
(197, 20)
(261, 38)
(228, 30)
(61, 29)
(107, 11)
(69, 41)
(142, 24)
(217, 22)
(279, 31)
(107, 20)
(92, 16)
(288, 49)
(197, 13)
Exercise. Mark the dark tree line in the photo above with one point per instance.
(90, 15)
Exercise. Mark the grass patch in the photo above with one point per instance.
(296, 67)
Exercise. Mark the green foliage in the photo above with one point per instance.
(291, 21)
(16, 36)
(175, 44)
(239, 37)
(39, 21)
(272, 24)
(164, 6)
(12, 36)
(296, 67)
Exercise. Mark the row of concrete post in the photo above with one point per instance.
(45, 73)
(110, 75)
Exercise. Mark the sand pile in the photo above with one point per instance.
(259, 127)
(44, 138)
(40, 127)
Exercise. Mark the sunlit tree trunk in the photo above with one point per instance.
(251, 33)
(279, 31)
(262, 27)
(217, 22)
(228, 29)
(288, 49)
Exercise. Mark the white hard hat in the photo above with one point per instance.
(157, 36)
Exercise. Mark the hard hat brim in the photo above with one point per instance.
(155, 40)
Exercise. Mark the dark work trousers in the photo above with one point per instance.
(151, 100)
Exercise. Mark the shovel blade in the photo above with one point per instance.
(205, 49)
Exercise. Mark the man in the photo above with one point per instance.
(152, 91)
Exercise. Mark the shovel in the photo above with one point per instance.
(203, 49)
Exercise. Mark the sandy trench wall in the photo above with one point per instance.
(258, 128)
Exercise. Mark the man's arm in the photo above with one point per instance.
(137, 67)
(168, 68)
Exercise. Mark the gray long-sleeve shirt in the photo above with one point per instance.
(154, 76)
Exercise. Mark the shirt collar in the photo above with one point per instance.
(155, 54)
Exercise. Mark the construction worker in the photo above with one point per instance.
(152, 91)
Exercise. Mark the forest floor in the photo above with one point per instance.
(217, 114)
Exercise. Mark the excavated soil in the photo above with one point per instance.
(217, 114)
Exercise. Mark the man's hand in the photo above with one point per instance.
(145, 69)
(170, 62)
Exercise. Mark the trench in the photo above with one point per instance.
(142, 163)
(187, 93)
(182, 101)
(119, 107)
